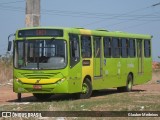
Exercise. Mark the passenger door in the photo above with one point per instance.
(75, 71)
(97, 56)
(140, 55)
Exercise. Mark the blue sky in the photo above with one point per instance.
(135, 16)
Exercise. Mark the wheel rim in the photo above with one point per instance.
(130, 84)
(84, 88)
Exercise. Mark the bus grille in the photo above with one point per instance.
(39, 76)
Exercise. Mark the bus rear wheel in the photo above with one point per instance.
(128, 86)
(129, 83)
(41, 96)
(86, 89)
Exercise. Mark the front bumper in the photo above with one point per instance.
(59, 87)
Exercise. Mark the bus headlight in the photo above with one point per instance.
(60, 81)
(17, 80)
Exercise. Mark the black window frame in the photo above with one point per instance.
(97, 41)
(139, 48)
(147, 48)
(131, 49)
(74, 42)
(116, 47)
(124, 47)
(86, 46)
(107, 47)
(40, 32)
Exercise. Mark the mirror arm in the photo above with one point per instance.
(9, 46)
(10, 36)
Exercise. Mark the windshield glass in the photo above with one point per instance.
(40, 54)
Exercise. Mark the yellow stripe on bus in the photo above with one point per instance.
(39, 81)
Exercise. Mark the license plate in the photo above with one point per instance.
(37, 87)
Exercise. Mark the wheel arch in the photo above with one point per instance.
(89, 77)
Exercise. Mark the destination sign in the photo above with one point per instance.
(40, 33)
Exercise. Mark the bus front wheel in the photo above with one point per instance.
(86, 89)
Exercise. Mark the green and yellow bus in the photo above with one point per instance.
(54, 60)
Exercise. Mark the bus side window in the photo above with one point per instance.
(147, 48)
(97, 46)
(116, 46)
(131, 50)
(86, 46)
(124, 52)
(74, 49)
(107, 47)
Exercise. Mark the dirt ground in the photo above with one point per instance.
(8, 96)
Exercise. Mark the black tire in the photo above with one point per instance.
(128, 86)
(86, 89)
(19, 96)
(129, 83)
(41, 96)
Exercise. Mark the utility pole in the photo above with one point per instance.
(154, 5)
(32, 13)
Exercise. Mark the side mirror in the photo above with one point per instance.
(10, 42)
(9, 45)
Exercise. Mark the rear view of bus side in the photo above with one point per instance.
(51, 60)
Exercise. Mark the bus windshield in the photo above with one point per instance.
(40, 54)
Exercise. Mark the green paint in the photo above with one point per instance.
(107, 72)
